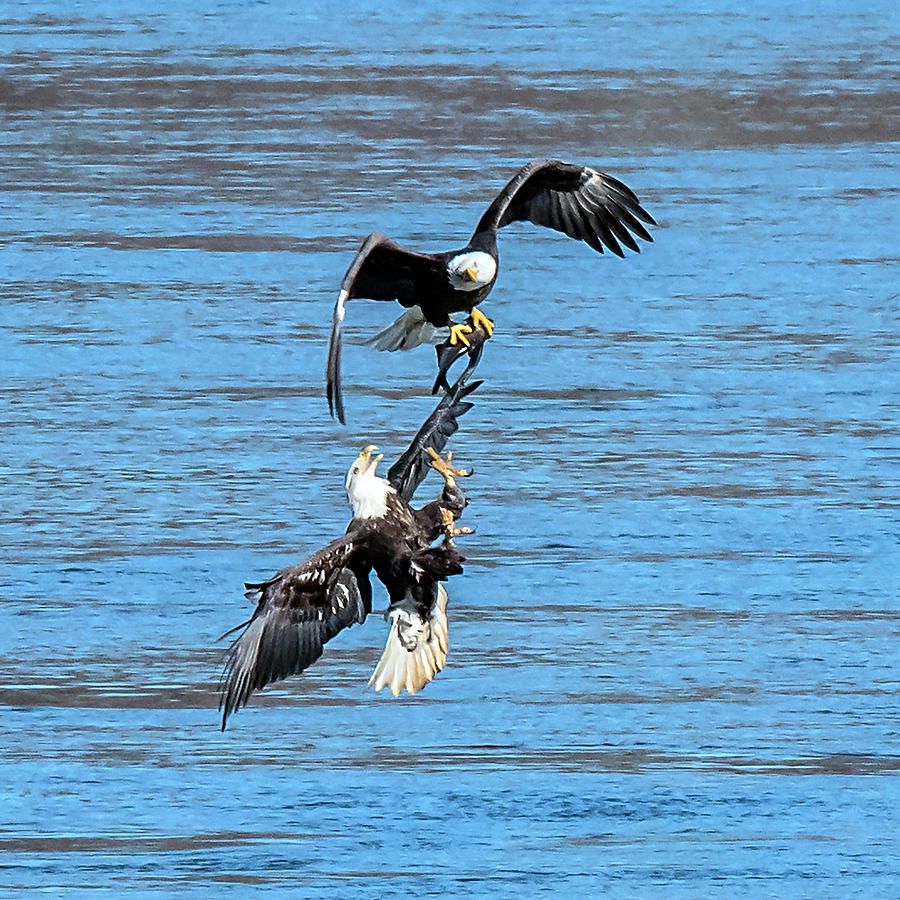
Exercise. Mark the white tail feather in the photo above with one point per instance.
(408, 331)
(415, 650)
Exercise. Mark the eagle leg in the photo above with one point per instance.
(479, 319)
(445, 468)
(450, 531)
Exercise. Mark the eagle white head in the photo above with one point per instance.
(366, 491)
(471, 271)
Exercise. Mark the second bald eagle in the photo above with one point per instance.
(579, 201)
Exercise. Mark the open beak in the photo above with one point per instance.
(471, 273)
(367, 458)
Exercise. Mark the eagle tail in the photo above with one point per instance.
(416, 648)
(407, 331)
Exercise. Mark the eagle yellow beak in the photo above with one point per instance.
(367, 460)
(471, 273)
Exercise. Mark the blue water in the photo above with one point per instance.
(673, 667)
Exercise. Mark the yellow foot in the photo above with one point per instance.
(479, 318)
(447, 520)
(439, 464)
(458, 334)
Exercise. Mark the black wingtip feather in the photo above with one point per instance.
(333, 389)
(622, 233)
(409, 471)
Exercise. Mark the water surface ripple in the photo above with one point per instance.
(673, 666)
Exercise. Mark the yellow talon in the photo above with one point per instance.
(458, 333)
(444, 466)
(448, 521)
(479, 318)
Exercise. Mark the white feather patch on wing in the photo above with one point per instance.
(340, 308)
(408, 331)
(415, 650)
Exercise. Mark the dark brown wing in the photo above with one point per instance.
(298, 611)
(410, 470)
(381, 270)
(448, 353)
(581, 202)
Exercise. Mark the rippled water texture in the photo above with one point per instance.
(673, 667)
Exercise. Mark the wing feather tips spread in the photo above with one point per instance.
(589, 215)
(240, 664)
(621, 232)
(611, 194)
(579, 201)
(628, 219)
(270, 649)
(408, 472)
(625, 196)
(281, 640)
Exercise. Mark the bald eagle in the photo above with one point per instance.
(300, 608)
(579, 201)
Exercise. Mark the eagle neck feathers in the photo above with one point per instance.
(370, 499)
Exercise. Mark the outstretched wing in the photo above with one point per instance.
(410, 470)
(298, 611)
(381, 270)
(581, 202)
